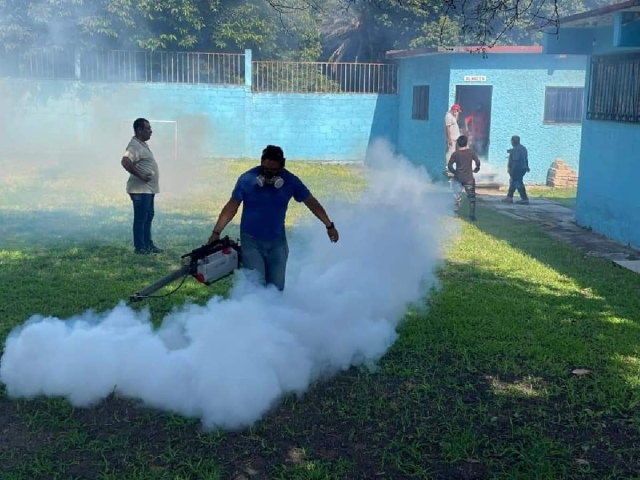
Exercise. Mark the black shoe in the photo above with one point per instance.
(139, 251)
(154, 249)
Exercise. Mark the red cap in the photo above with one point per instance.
(456, 108)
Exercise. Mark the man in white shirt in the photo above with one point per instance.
(452, 130)
(142, 186)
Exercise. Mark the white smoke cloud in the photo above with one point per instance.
(229, 361)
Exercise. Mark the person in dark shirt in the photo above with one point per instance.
(265, 192)
(517, 167)
(463, 159)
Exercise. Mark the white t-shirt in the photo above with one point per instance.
(454, 129)
(140, 154)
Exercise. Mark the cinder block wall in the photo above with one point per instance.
(55, 118)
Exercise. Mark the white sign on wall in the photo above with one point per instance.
(475, 78)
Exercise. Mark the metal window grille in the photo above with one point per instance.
(563, 104)
(614, 88)
(323, 77)
(420, 102)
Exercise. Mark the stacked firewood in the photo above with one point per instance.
(560, 175)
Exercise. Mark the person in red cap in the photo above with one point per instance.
(452, 130)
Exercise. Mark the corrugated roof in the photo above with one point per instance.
(420, 52)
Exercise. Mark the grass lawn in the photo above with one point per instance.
(478, 385)
(563, 196)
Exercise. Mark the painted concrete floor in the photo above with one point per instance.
(559, 222)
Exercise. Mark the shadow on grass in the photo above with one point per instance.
(62, 228)
(596, 277)
(67, 281)
(477, 386)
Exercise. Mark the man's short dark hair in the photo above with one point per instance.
(138, 124)
(462, 141)
(516, 139)
(273, 152)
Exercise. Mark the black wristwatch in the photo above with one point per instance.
(330, 226)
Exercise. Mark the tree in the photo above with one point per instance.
(486, 23)
(364, 29)
(333, 30)
(288, 35)
(36, 25)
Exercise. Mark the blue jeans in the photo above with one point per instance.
(267, 257)
(142, 216)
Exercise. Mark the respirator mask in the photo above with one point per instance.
(269, 178)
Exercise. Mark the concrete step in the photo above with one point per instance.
(489, 185)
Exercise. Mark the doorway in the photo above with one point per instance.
(475, 119)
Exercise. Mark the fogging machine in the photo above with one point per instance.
(207, 264)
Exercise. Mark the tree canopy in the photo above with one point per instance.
(312, 30)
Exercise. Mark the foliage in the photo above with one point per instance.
(254, 24)
(366, 29)
(203, 25)
(334, 30)
(146, 24)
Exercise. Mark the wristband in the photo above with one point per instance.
(330, 226)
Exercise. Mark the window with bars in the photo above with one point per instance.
(614, 88)
(563, 104)
(420, 102)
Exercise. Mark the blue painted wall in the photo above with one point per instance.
(607, 200)
(232, 122)
(321, 126)
(422, 141)
(211, 121)
(518, 82)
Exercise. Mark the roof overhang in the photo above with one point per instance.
(602, 17)
(613, 26)
(422, 52)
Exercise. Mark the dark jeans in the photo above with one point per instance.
(517, 183)
(268, 258)
(470, 190)
(142, 216)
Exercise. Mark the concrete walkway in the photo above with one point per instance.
(559, 222)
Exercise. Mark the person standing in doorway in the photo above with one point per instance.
(463, 160)
(143, 185)
(517, 167)
(477, 125)
(451, 130)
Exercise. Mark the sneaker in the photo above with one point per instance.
(507, 199)
(523, 202)
(154, 249)
(139, 251)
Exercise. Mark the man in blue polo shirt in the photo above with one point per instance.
(266, 191)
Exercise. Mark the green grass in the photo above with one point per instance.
(562, 196)
(478, 385)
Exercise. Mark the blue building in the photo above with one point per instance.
(607, 199)
(524, 92)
